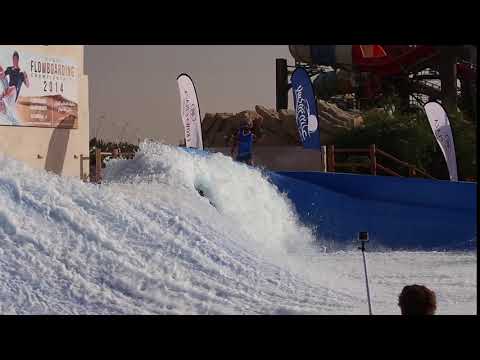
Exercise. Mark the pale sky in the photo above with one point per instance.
(135, 88)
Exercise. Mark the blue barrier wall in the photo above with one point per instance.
(398, 213)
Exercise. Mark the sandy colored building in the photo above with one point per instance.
(44, 118)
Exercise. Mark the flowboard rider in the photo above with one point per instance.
(243, 142)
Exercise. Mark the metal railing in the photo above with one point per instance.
(331, 164)
(373, 164)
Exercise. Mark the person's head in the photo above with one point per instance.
(417, 300)
(246, 123)
(15, 58)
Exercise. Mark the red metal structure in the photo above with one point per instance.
(373, 72)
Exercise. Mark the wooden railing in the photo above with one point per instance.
(373, 164)
(100, 155)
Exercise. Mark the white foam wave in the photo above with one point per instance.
(147, 242)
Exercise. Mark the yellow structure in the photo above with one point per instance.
(45, 143)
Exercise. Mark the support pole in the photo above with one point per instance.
(98, 165)
(366, 278)
(323, 151)
(373, 160)
(81, 167)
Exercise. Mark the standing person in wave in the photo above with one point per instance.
(242, 142)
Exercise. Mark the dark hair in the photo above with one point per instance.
(417, 300)
(15, 53)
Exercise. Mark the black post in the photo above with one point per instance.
(366, 275)
(404, 94)
(448, 78)
(473, 59)
(281, 83)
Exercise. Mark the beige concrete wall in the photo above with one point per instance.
(52, 149)
(282, 158)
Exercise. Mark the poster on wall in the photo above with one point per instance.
(37, 89)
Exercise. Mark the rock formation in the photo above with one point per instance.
(276, 128)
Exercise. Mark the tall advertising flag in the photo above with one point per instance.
(305, 109)
(190, 112)
(438, 119)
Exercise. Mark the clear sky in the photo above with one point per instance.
(133, 90)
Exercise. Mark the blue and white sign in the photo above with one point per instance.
(305, 109)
